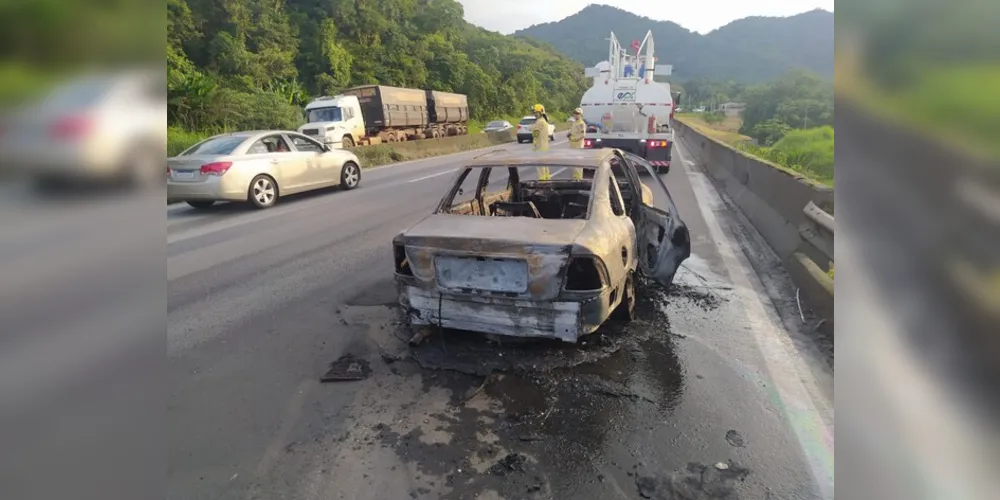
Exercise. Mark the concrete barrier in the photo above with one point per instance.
(790, 211)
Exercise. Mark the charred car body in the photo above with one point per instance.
(529, 258)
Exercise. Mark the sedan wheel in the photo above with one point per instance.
(263, 191)
(350, 176)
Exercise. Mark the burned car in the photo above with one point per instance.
(507, 254)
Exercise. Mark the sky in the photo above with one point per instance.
(700, 16)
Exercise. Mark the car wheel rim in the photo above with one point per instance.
(263, 191)
(351, 175)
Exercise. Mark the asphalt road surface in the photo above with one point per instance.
(713, 390)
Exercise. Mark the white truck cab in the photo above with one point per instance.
(335, 121)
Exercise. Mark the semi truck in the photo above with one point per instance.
(626, 109)
(370, 114)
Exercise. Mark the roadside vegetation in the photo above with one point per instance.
(935, 74)
(788, 122)
(254, 68)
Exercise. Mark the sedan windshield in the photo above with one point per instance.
(216, 146)
(328, 114)
(527, 121)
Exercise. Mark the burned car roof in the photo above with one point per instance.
(592, 158)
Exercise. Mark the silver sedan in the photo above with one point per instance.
(258, 167)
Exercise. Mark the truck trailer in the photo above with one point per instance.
(370, 114)
(626, 109)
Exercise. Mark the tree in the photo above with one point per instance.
(799, 99)
(281, 50)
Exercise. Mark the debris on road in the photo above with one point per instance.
(486, 381)
(707, 301)
(347, 368)
(596, 385)
(734, 439)
(513, 462)
(389, 358)
(420, 336)
(696, 481)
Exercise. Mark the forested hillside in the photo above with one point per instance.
(252, 63)
(751, 50)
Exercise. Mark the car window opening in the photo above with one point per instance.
(505, 194)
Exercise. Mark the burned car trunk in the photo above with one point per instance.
(544, 259)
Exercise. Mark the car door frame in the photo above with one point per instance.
(281, 166)
(626, 224)
(322, 165)
(662, 238)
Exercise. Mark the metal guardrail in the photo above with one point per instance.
(818, 230)
(813, 260)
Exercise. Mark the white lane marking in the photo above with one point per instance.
(418, 179)
(792, 381)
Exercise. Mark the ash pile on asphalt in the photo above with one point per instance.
(699, 296)
(475, 354)
(694, 482)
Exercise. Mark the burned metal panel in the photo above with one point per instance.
(606, 234)
(564, 320)
(553, 157)
(544, 270)
(489, 232)
(481, 273)
(505, 275)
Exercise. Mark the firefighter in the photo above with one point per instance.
(540, 137)
(575, 134)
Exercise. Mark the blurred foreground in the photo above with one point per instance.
(918, 195)
(82, 294)
(82, 109)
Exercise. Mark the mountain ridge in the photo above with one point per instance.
(749, 50)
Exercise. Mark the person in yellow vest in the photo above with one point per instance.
(575, 134)
(540, 137)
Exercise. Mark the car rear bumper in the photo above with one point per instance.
(212, 188)
(563, 320)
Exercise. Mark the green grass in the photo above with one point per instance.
(963, 102)
(727, 130)
(179, 139)
(954, 104)
(808, 152)
(20, 83)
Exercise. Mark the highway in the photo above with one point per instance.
(259, 303)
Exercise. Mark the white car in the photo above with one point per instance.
(258, 167)
(525, 126)
(99, 127)
(497, 126)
